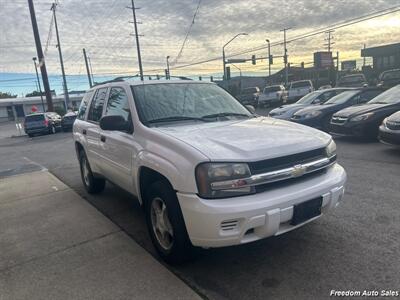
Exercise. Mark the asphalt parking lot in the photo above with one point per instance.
(357, 247)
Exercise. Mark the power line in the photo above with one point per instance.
(187, 35)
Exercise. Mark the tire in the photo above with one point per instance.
(169, 236)
(92, 184)
(30, 135)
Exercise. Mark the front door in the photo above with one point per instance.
(92, 131)
(118, 147)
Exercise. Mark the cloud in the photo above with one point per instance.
(102, 28)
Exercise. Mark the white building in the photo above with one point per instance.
(17, 108)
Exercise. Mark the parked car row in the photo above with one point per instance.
(48, 123)
(361, 112)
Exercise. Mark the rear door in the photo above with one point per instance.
(92, 130)
(118, 147)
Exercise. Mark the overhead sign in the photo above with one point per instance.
(236, 60)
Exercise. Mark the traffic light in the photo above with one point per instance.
(253, 59)
(166, 74)
(228, 73)
(200, 78)
(288, 65)
(302, 64)
(211, 78)
(271, 59)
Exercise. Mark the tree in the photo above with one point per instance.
(7, 95)
(34, 94)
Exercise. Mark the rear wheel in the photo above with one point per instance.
(92, 184)
(165, 223)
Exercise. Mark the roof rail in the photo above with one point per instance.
(149, 77)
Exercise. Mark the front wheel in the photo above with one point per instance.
(165, 223)
(92, 184)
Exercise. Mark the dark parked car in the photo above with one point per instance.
(389, 78)
(355, 80)
(39, 123)
(364, 120)
(68, 120)
(389, 131)
(319, 116)
(249, 96)
(285, 112)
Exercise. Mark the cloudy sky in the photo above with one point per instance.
(102, 28)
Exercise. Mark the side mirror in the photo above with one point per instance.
(251, 109)
(317, 101)
(117, 123)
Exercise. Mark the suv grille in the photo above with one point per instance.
(338, 120)
(393, 125)
(283, 162)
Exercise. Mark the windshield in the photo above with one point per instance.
(272, 89)
(342, 97)
(309, 98)
(300, 84)
(388, 97)
(176, 102)
(391, 75)
(33, 118)
(352, 79)
(249, 91)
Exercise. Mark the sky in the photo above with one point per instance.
(103, 28)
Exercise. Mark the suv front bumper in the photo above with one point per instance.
(239, 220)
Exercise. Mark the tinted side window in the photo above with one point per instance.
(84, 103)
(96, 107)
(368, 95)
(118, 104)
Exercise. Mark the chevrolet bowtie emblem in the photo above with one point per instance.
(298, 170)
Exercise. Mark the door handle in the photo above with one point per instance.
(103, 138)
(84, 131)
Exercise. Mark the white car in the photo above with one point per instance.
(207, 171)
(298, 89)
(274, 94)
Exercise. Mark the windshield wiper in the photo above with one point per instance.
(175, 118)
(225, 114)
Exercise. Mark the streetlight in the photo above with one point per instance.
(40, 88)
(223, 50)
(269, 58)
(168, 74)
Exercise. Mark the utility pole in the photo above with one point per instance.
(168, 72)
(285, 56)
(269, 57)
(329, 40)
(38, 81)
(364, 61)
(40, 56)
(87, 67)
(91, 69)
(137, 39)
(66, 97)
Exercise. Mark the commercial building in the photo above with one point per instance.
(384, 57)
(12, 109)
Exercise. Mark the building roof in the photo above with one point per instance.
(384, 50)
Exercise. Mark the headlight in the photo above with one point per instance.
(312, 114)
(362, 117)
(331, 149)
(208, 175)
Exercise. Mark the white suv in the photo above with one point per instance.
(207, 171)
(298, 89)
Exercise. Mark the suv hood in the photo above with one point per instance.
(359, 109)
(248, 140)
(395, 117)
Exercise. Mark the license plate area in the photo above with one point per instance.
(306, 210)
